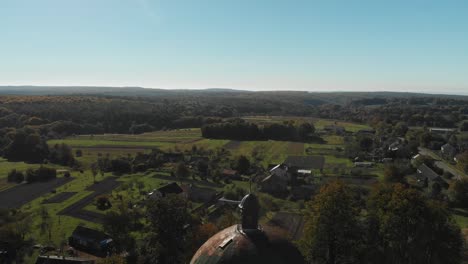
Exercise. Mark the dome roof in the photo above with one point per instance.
(235, 245)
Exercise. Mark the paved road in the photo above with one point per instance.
(441, 163)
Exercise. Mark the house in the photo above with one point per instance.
(171, 188)
(199, 194)
(3, 252)
(387, 160)
(448, 151)
(62, 260)
(303, 192)
(274, 184)
(364, 164)
(173, 157)
(338, 130)
(424, 172)
(368, 131)
(91, 241)
(281, 171)
(195, 159)
(442, 131)
(305, 162)
(231, 174)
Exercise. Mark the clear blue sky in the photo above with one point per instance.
(366, 45)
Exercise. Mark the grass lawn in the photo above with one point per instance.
(272, 151)
(334, 140)
(353, 127)
(6, 166)
(461, 217)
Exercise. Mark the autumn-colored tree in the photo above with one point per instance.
(114, 259)
(404, 227)
(202, 233)
(332, 230)
(458, 193)
(181, 171)
(242, 164)
(393, 174)
(168, 239)
(462, 160)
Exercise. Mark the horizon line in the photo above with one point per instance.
(233, 89)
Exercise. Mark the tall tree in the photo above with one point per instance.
(332, 230)
(405, 228)
(169, 237)
(242, 164)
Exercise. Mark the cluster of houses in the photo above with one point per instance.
(287, 178)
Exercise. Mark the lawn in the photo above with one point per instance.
(352, 127)
(6, 166)
(271, 151)
(461, 217)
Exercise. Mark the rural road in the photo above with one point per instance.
(440, 163)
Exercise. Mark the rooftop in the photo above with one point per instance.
(305, 162)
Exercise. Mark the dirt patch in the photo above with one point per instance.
(295, 148)
(19, 195)
(232, 145)
(61, 197)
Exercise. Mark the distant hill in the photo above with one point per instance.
(311, 98)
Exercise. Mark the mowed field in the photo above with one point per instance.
(114, 145)
(318, 122)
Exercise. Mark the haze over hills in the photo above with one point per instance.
(328, 97)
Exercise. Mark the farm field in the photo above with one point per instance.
(21, 194)
(318, 122)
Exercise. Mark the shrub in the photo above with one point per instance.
(15, 176)
(103, 202)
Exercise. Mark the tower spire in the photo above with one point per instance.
(249, 208)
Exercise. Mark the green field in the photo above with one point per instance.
(352, 127)
(318, 123)
(133, 185)
(7, 166)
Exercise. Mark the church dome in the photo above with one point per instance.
(247, 242)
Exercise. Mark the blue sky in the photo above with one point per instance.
(375, 45)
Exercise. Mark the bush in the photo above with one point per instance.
(103, 202)
(78, 153)
(447, 175)
(40, 174)
(15, 176)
